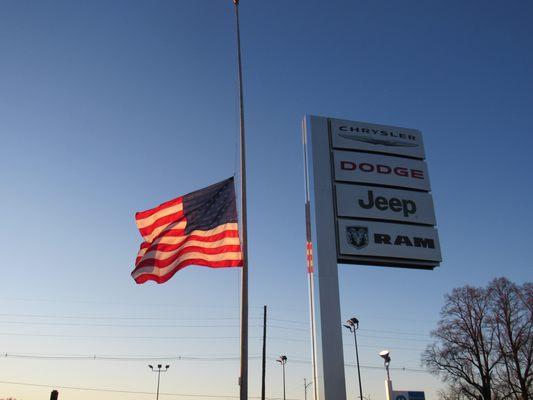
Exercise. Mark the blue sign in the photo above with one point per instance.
(416, 396)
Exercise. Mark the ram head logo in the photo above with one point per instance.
(357, 236)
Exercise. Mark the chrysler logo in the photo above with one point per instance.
(378, 136)
(382, 142)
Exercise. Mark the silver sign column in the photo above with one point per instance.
(329, 369)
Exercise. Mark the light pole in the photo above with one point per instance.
(385, 354)
(283, 360)
(306, 385)
(352, 325)
(158, 370)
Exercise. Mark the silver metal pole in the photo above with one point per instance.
(158, 379)
(388, 382)
(358, 369)
(388, 389)
(329, 374)
(313, 333)
(283, 364)
(243, 380)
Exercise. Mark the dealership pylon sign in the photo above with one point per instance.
(377, 184)
(369, 202)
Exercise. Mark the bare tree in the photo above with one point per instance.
(452, 393)
(464, 353)
(483, 344)
(512, 320)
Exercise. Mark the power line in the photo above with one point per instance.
(79, 357)
(78, 317)
(211, 306)
(292, 321)
(95, 357)
(26, 323)
(172, 305)
(370, 317)
(395, 332)
(53, 323)
(364, 366)
(136, 318)
(92, 317)
(362, 329)
(123, 337)
(128, 325)
(196, 395)
(67, 301)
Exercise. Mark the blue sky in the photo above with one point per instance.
(107, 108)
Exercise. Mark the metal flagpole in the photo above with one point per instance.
(263, 369)
(310, 269)
(243, 379)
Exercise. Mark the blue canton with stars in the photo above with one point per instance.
(208, 208)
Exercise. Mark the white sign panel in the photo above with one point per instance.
(357, 201)
(376, 169)
(379, 239)
(386, 139)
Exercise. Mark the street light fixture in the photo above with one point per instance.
(352, 325)
(385, 354)
(283, 360)
(158, 370)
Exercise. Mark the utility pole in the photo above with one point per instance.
(306, 385)
(263, 374)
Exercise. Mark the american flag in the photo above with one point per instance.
(199, 228)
